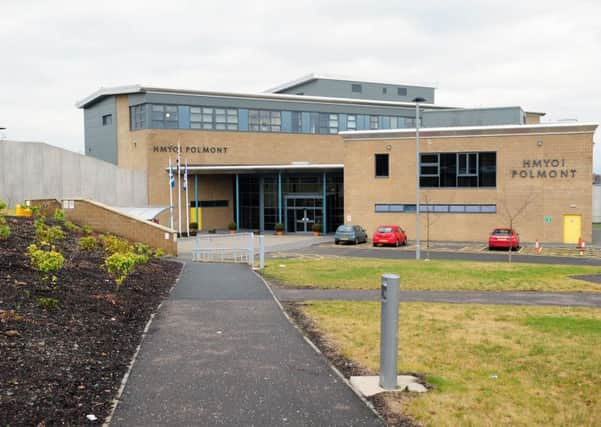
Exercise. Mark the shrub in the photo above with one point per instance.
(46, 234)
(59, 215)
(89, 244)
(193, 226)
(159, 253)
(316, 227)
(279, 226)
(48, 303)
(143, 249)
(113, 244)
(44, 261)
(87, 229)
(2, 205)
(231, 226)
(72, 227)
(4, 231)
(120, 265)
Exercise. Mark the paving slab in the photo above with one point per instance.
(220, 352)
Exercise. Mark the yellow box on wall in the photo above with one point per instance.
(194, 219)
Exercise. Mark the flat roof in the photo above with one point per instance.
(104, 92)
(310, 77)
(458, 130)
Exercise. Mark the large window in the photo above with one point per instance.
(213, 118)
(163, 116)
(327, 123)
(264, 121)
(458, 170)
(351, 122)
(435, 208)
(382, 166)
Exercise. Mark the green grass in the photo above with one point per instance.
(547, 360)
(364, 273)
(596, 226)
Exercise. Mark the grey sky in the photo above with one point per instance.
(541, 55)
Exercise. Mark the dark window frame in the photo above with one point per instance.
(378, 166)
(107, 120)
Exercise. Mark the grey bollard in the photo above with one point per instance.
(389, 326)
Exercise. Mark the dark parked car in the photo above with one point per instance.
(350, 234)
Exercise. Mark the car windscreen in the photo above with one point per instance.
(385, 230)
(501, 232)
(345, 228)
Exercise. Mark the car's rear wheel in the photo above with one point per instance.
(396, 243)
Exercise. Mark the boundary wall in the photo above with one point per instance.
(35, 170)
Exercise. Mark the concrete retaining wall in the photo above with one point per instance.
(105, 219)
(34, 170)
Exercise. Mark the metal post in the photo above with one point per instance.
(251, 250)
(417, 173)
(280, 197)
(237, 203)
(325, 207)
(197, 201)
(261, 251)
(389, 326)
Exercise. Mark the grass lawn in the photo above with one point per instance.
(362, 273)
(547, 360)
(596, 226)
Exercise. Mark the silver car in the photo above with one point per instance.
(349, 233)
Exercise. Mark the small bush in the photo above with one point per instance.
(89, 244)
(316, 227)
(143, 249)
(120, 265)
(113, 244)
(48, 303)
(2, 205)
(59, 215)
(4, 230)
(87, 229)
(72, 227)
(231, 226)
(46, 234)
(44, 261)
(158, 253)
(279, 226)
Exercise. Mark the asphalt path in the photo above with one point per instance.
(221, 352)
(364, 251)
(571, 299)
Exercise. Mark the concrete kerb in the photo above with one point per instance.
(318, 351)
(117, 398)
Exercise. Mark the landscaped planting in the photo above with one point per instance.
(67, 333)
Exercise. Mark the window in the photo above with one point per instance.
(458, 170)
(327, 123)
(264, 121)
(107, 120)
(137, 117)
(384, 90)
(211, 204)
(163, 116)
(435, 208)
(373, 122)
(381, 165)
(351, 122)
(356, 88)
(401, 91)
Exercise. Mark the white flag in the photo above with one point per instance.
(186, 176)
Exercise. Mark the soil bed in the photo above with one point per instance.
(65, 363)
(388, 405)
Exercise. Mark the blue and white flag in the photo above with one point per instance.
(171, 177)
(186, 176)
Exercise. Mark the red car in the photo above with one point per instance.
(389, 235)
(504, 238)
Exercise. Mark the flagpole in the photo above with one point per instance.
(170, 195)
(187, 202)
(179, 192)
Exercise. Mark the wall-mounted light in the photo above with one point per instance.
(389, 147)
(539, 143)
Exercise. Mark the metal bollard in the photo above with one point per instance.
(389, 324)
(261, 251)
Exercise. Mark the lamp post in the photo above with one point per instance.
(417, 173)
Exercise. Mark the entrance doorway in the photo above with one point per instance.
(572, 228)
(302, 211)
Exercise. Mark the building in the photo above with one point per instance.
(327, 150)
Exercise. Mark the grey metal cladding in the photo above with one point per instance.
(473, 117)
(342, 89)
(101, 141)
(267, 104)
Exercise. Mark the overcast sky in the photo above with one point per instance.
(541, 55)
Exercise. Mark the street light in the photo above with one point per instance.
(417, 171)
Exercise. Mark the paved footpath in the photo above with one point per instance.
(568, 299)
(220, 352)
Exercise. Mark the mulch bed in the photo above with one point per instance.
(66, 363)
(388, 405)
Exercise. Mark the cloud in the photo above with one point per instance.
(542, 55)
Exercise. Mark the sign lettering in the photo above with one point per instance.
(544, 168)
